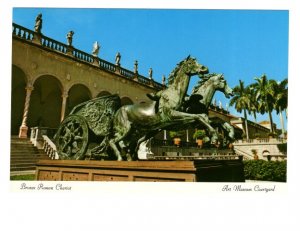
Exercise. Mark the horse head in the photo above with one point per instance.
(188, 67)
(220, 84)
(192, 67)
(223, 86)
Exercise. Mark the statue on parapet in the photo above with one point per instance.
(118, 59)
(38, 23)
(96, 49)
(70, 38)
(150, 73)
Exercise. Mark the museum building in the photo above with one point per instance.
(49, 78)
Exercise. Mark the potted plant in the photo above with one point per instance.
(272, 135)
(254, 152)
(244, 136)
(198, 136)
(176, 135)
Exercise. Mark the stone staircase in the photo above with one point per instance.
(263, 148)
(24, 155)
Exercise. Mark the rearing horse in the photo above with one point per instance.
(133, 124)
(202, 95)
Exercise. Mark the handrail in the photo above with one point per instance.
(50, 148)
(83, 56)
(128, 74)
(245, 154)
(107, 65)
(44, 41)
(22, 32)
(261, 140)
(53, 44)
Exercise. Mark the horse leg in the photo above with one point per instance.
(229, 129)
(121, 130)
(114, 147)
(214, 135)
(202, 118)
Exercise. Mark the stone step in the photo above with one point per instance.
(21, 145)
(32, 160)
(22, 168)
(15, 141)
(24, 155)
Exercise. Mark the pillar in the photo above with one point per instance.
(23, 129)
(187, 136)
(63, 106)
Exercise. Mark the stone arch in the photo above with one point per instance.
(103, 93)
(45, 102)
(126, 101)
(266, 153)
(77, 94)
(18, 94)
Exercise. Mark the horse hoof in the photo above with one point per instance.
(128, 157)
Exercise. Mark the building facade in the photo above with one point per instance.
(49, 78)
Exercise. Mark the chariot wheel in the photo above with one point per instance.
(72, 138)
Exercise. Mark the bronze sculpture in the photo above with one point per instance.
(201, 99)
(103, 129)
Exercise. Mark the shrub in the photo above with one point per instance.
(23, 177)
(175, 134)
(265, 170)
(199, 134)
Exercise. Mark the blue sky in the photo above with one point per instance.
(241, 44)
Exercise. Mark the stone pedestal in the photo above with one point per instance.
(23, 132)
(37, 38)
(192, 171)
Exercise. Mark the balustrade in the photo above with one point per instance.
(50, 148)
(143, 80)
(107, 65)
(22, 32)
(83, 56)
(54, 45)
(26, 34)
(128, 74)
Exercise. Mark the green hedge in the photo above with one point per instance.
(265, 170)
(23, 177)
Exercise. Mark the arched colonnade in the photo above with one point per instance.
(46, 101)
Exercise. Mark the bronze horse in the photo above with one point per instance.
(133, 124)
(202, 95)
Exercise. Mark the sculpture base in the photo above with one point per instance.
(193, 171)
(23, 131)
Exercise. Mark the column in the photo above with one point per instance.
(23, 129)
(63, 106)
(187, 136)
(165, 137)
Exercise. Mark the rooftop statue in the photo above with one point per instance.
(118, 59)
(38, 23)
(70, 38)
(96, 49)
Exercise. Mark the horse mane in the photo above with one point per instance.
(203, 80)
(206, 77)
(176, 69)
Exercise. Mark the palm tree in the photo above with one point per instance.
(280, 99)
(241, 102)
(253, 106)
(264, 91)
